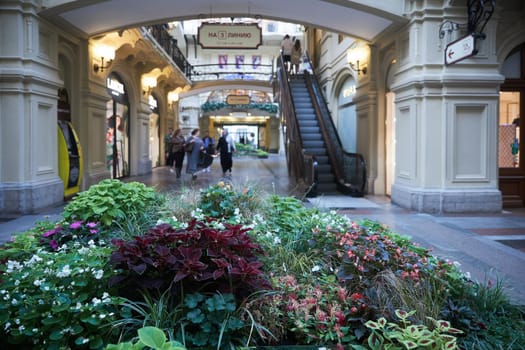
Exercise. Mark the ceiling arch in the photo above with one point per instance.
(363, 19)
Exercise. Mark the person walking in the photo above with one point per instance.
(168, 146)
(193, 147)
(226, 147)
(297, 53)
(177, 150)
(286, 49)
(209, 148)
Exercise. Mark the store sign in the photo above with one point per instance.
(460, 49)
(115, 87)
(238, 99)
(229, 36)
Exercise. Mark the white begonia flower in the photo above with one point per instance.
(34, 260)
(17, 283)
(316, 268)
(91, 243)
(7, 326)
(14, 301)
(13, 265)
(96, 301)
(83, 250)
(65, 272)
(98, 274)
(277, 240)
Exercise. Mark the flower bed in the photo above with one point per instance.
(128, 268)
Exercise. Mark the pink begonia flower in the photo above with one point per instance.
(53, 244)
(91, 224)
(49, 233)
(75, 225)
(93, 231)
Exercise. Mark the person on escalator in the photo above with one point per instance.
(286, 49)
(297, 54)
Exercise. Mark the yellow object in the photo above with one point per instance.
(69, 158)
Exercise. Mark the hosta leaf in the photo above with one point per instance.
(152, 337)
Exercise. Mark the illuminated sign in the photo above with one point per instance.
(229, 36)
(115, 87)
(238, 99)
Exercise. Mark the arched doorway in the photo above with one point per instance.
(511, 134)
(117, 128)
(347, 116)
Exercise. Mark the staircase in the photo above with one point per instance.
(310, 132)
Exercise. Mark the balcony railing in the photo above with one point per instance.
(169, 45)
(232, 71)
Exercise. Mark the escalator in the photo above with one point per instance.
(314, 151)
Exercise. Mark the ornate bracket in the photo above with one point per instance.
(479, 13)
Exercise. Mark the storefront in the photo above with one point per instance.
(510, 133)
(117, 128)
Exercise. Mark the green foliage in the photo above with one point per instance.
(110, 201)
(210, 322)
(24, 244)
(150, 337)
(317, 311)
(213, 106)
(225, 202)
(485, 314)
(57, 299)
(405, 335)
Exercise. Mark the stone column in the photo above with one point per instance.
(446, 127)
(28, 110)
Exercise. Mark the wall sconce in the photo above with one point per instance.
(103, 52)
(148, 82)
(173, 97)
(355, 55)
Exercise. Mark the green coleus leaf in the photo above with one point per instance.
(372, 325)
(426, 342)
(409, 344)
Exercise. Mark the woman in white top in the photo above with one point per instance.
(297, 53)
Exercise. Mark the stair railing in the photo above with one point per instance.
(349, 168)
(301, 164)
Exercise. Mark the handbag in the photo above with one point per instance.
(188, 147)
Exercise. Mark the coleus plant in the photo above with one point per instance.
(198, 258)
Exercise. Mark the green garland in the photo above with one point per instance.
(213, 106)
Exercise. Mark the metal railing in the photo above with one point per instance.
(169, 45)
(301, 164)
(232, 71)
(349, 168)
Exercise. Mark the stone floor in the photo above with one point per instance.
(486, 246)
